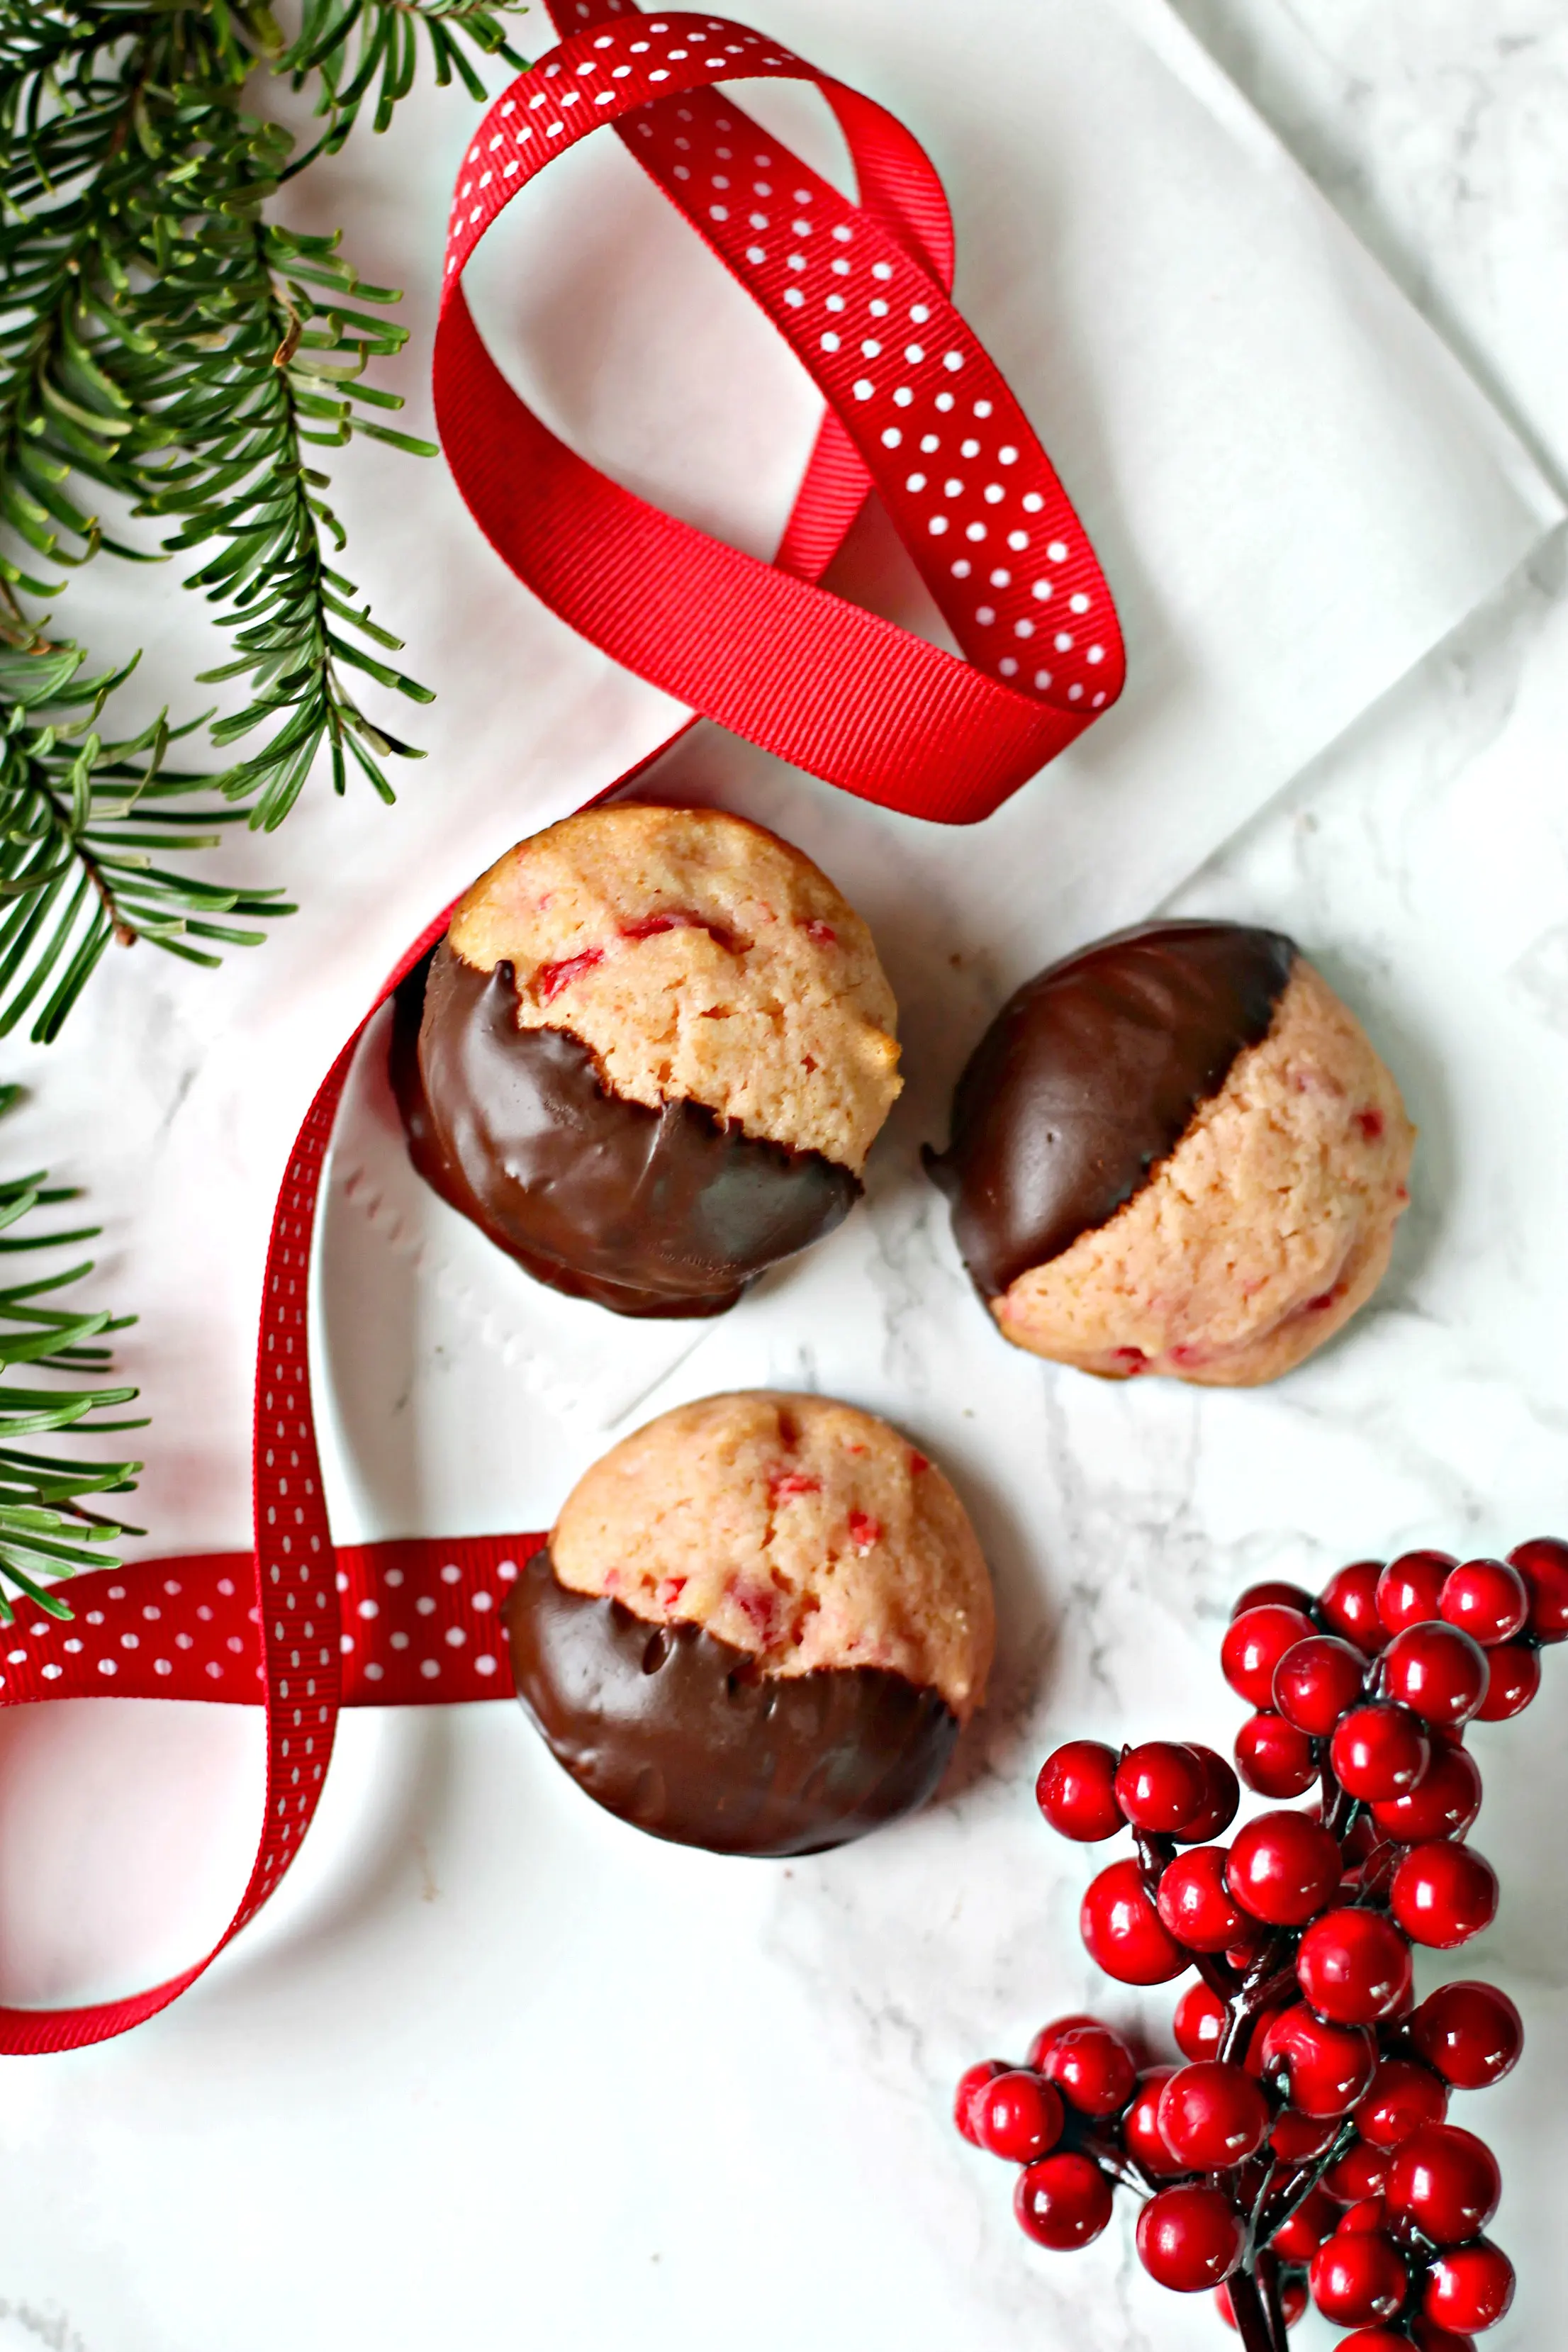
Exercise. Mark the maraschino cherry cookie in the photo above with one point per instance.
(758, 1624)
(1176, 1153)
(649, 1057)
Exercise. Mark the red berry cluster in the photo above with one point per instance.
(1303, 2149)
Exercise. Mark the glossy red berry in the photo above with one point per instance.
(1124, 1933)
(1063, 2201)
(1141, 2133)
(1283, 1868)
(1276, 1594)
(1348, 1606)
(1212, 2116)
(1443, 1802)
(1093, 2069)
(1046, 2039)
(1017, 2116)
(1356, 2278)
(1513, 1677)
(1355, 2178)
(1297, 2139)
(1253, 1646)
(1543, 1564)
(1274, 1758)
(1354, 1966)
(1378, 1752)
(970, 2084)
(1366, 2218)
(1292, 2303)
(1444, 2182)
(1427, 2337)
(1470, 2032)
(1469, 2288)
(1195, 1904)
(1221, 1795)
(1315, 2218)
(1442, 1894)
(1159, 1786)
(1403, 2096)
(1486, 1599)
(1076, 1792)
(1190, 2238)
(1327, 2068)
(1410, 1590)
(1316, 1681)
(1438, 1672)
(1375, 2339)
(1199, 2023)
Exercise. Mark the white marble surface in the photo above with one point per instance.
(544, 2081)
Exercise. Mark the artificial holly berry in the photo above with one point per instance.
(1410, 1588)
(1212, 2116)
(1427, 2337)
(1124, 1933)
(1046, 2039)
(1353, 1967)
(1253, 1646)
(1292, 2302)
(1444, 1803)
(1487, 1599)
(970, 2083)
(1141, 2133)
(1471, 2033)
(1076, 1792)
(1367, 2218)
(1404, 2094)
(1469, 2288)
(1199, 2023)
(1513, 1679)
(1379, 1751)
(1274, 1758)
(1195, 1904)
(1316, 1680)
(1357, 2175)
(1316, 2218)
(1444, 2182)
(1093, 2069)
(1348, 1606)
(1190, 2238)
(1283, 1868)
(1159, 1786)
(1436, 1671)
(1296, 2138)
(1375, 2339)
(1356, 2278)
(1222, 1798)
(1442, 1894)
(1064, 2201)
(1016, 2115)
(1327, 2069)
(1543, 1564)
(1277, 1595)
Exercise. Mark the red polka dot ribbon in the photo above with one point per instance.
(916, 408)
(303, 1627)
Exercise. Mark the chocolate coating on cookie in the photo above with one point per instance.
(1088, 1077)
(669, 1211)
(681, 1735)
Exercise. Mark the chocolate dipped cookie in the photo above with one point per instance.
(649, 1057)
(1176, 1153)
(758, 1627)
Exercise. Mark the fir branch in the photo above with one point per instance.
(48, 1530)
(162, 341)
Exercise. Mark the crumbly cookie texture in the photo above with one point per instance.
(795, 1528)
(1269, 1224)
(701, 957)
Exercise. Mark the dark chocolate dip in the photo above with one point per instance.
(681, 1735)
(1089, 1077)
(669, 1211)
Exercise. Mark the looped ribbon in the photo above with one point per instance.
(302, 1626)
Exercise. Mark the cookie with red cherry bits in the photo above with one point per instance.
(649, 1057)
(758, 1624)
(1176, 1153)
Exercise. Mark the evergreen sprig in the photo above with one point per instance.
(169, 353)
(47, 1527)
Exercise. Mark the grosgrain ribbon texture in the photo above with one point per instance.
(915, 408)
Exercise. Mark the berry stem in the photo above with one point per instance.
(1254, 2323)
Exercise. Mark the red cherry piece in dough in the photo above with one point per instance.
(1469, 2032)
(1076, 1792)
(1442, 1894)
(1190, 2238)
(1487, 1599)
(1283, 1868)
(1254, 1644)
(1124, 1933)
(1063, 2201)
